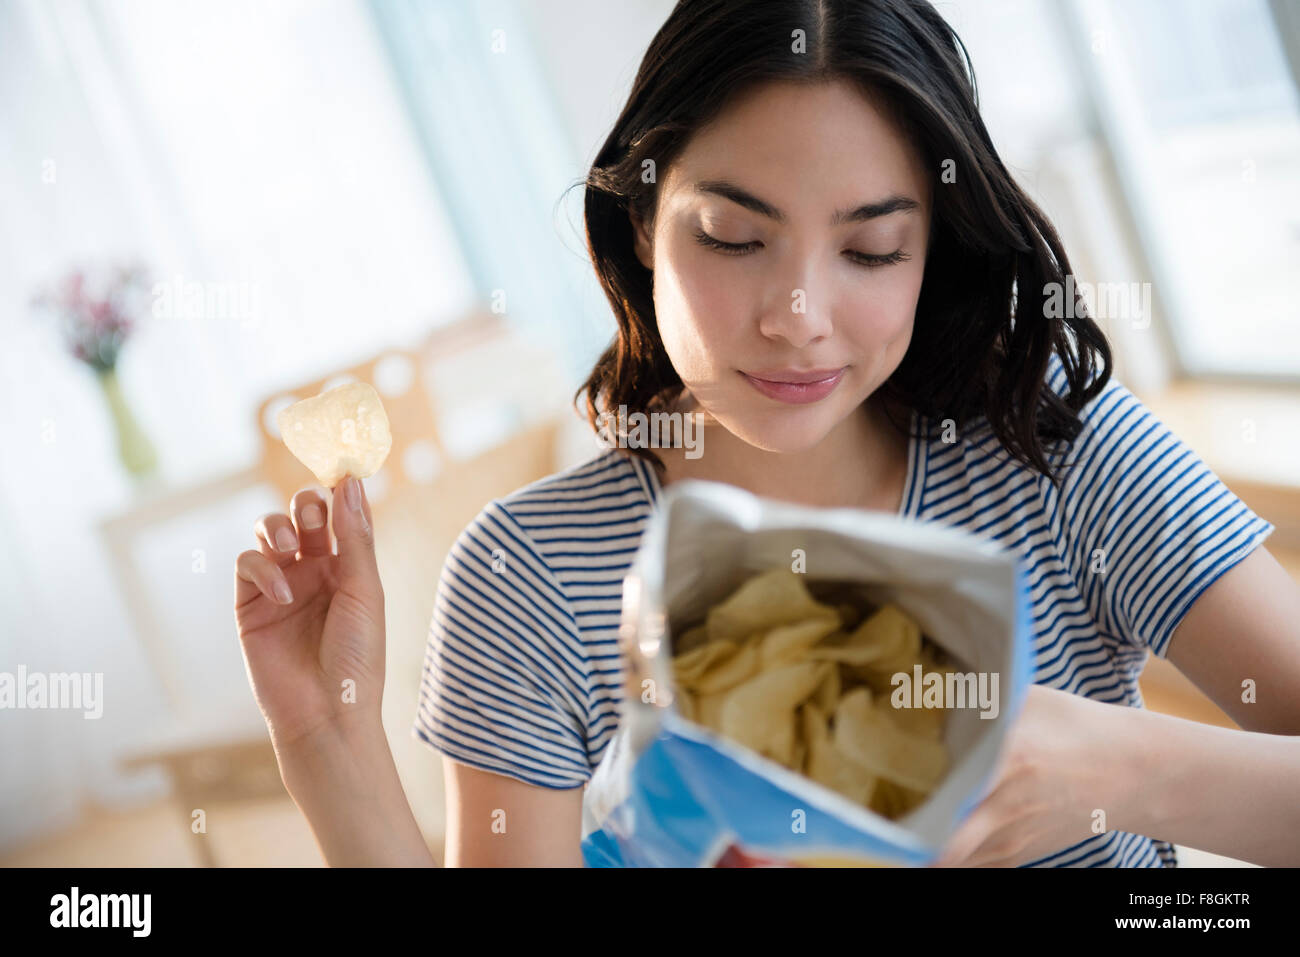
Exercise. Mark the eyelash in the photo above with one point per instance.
(742, 249)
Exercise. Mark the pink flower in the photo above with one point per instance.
(96, 321)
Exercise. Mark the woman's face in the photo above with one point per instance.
(785, 336)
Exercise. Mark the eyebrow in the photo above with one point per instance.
(867, 211)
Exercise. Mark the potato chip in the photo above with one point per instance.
(780, 747)
(800, 756)
(760, 714)
(808, 685)
(893, 800)
(880, 682)
(850, 615)
(888, 641)
(827, 695)
(729, 671)
(708, 710)
(815, 722)
(340, 432)
(690, 639)
(777, 597)
(826, 765)
(850, 678)
(685, 704)
(690, 666)
(879, 677)
(926, 722)
(900, 633)
(788, 643)
(866, 736)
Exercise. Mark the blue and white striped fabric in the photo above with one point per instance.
(522, 674)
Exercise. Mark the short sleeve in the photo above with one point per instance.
(1145, 525)
(504, 686)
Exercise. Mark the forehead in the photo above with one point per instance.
(824, 143)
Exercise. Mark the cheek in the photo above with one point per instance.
(700, 312)
(884, 314)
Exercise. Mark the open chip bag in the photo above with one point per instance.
(804, 686)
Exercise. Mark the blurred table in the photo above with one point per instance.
(210, 774)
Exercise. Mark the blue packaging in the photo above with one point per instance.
(670, 793)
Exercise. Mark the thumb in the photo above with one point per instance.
(354, 531)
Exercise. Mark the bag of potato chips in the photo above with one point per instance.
(804, 686)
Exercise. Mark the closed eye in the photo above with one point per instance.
(744, 249)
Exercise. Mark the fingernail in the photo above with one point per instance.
(353, 492)
(282, 593)
(312, 517)
(286, 540)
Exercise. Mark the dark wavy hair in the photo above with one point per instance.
(978, 348)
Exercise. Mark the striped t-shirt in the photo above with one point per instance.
(522, 674)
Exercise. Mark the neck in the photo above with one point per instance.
(861, 463)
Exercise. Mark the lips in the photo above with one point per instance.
(793, 386)
(794, 377)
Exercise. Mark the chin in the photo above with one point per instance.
(784, 432)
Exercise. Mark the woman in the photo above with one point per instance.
(809, 241)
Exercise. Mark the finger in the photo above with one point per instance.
(255, 575)
(310, 516)
(1000, 848)
(278, 538)
(358, 569)
(966, 841)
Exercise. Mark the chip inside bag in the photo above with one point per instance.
(804, 686)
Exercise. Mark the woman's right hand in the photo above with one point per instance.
(315, 660)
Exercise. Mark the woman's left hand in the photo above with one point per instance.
(1061, 768)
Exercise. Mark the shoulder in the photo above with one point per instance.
(977, 433)
(609, 482)
(970, 459)
(610, 489)
(1108, 419)
(1090, 415)
(521, 668)
(1119, 437)
(537, 521)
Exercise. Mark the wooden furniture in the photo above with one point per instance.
(208, 775)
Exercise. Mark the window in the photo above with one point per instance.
(1200, 112)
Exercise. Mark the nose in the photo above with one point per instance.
(800, 315)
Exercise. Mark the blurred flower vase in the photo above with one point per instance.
(96, 315)
(133, 446)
